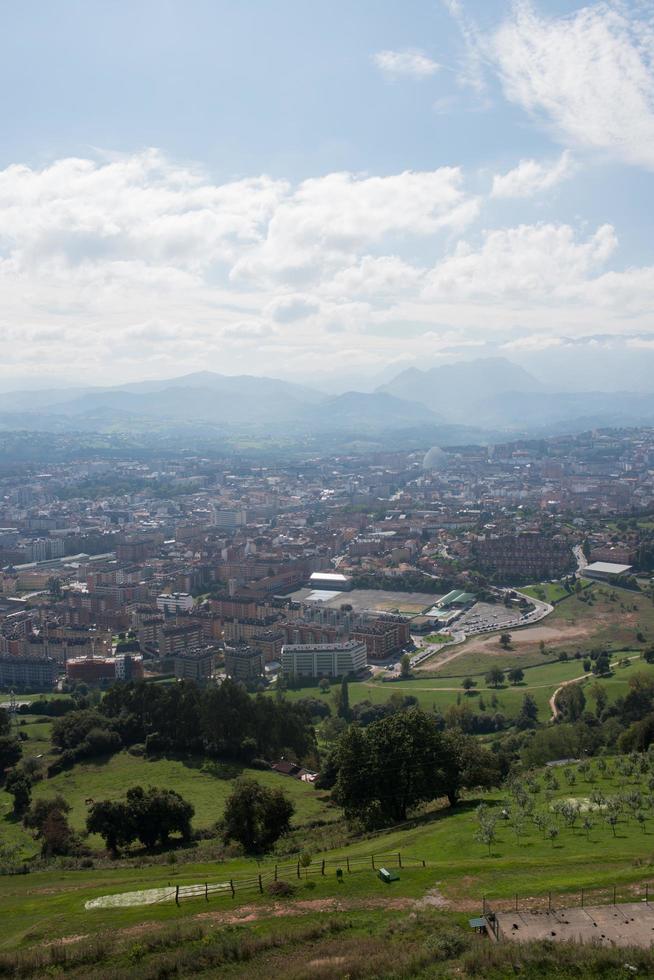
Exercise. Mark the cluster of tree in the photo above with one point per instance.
(10, 747)
(470, 722)
(223, 722)
(52, 707)
(48, 818)
(149, 816)
(84, 734)
(256, 816)
(589, 725)
(379, 773)
(365, 713)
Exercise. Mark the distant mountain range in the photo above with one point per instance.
(489, 394)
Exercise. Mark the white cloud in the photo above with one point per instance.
(137, 266)
(415, 64)
(327, 221)
(531, 264)
(288, 309)
(590, 75)
(532, 177)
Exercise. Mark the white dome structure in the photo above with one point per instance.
(435, 459)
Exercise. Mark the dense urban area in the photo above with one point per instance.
(403, 661)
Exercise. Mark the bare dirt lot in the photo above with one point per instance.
(559, 633)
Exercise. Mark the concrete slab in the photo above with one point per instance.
(628, 924)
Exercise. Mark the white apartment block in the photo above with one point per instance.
(323, 659)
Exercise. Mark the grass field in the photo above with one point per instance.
(545, 591)
(110, 778)
(49, 904)
(437, 692)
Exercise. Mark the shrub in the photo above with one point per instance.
(280, 889)
(446, 945)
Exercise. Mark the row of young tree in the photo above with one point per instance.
(222, 722)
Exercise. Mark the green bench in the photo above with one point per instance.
(388, 876)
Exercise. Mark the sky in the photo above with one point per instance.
(322, 192)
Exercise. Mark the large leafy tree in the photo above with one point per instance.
(155, 814)
(392, 765)
(466, 764)
(255, 815)
(10, 753)
(111, 819)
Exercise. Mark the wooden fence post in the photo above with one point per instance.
(231, 885)
(348, 863)
(176, 894)
(275, 872)
(260, 885)
(423, 863)
(206, 890)
(399, 860)
(322, 869)
(298, 869)
(372, 858)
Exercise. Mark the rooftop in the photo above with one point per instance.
(607, 568)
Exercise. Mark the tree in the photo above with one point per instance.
(405, 665)
(466, 764)
(343, 702)
(552, 833)
(528, 715)
(157, 813)
(468, 684)
(505, 640)
(5, 723)
(324, 685)
(42, 808)
(486, 834)
(54, 587)
(10, 753)
(256, 816)
(571, 702)
(390, 766)
(494, 677)
(48, 818)
(21, 789)
(72, 729)
(111, 819)
(515, 675)
(602, 664)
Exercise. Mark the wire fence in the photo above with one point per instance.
(263, 879)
